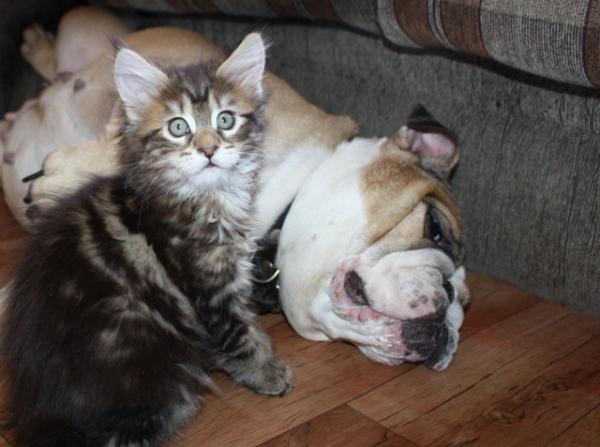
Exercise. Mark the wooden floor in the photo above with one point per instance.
(527, 373)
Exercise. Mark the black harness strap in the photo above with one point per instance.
(266, 284)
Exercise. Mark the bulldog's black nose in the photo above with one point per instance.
(427, 337)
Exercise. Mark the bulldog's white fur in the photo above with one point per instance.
(326, 235)
(340, 221)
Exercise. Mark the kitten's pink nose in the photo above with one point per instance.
(207, 143)
(208, 151)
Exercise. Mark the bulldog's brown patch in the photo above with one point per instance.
(397, 194)
(293, 121)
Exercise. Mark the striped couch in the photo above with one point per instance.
(559, 39)
(517, 80)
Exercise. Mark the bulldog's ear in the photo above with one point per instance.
(137, 80)
(434, 144)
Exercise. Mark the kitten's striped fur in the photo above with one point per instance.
(135, 286)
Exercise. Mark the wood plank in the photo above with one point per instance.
(481, 286)
(401, 400)
(10, 232)
(11, 241)
(494, 307)
(10, 253)
(327, 376)
(340, 427)
(270, 320)
(9, 227)
(538, 411)
(585, 433)
(5, 442)
(551, 342)
(6, 438)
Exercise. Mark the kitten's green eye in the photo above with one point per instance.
(225, 120)
(178, 127)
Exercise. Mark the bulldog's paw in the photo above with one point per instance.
(41, 194)
(65, 170)
(38, 50)
(275, 378)
(6, 126)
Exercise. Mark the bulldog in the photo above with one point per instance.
(370, 251)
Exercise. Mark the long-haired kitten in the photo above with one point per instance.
(136, 285)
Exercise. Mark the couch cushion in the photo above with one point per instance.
(358, 14)
(556, 39)
(553, 38)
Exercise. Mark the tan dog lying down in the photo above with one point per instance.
(371, 249)
(76, 109)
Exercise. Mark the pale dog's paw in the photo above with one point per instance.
(67, 169)
(38, 50)
(46, 185)
(40, 196)
(6, 126)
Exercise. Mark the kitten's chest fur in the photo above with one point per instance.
(201, 244)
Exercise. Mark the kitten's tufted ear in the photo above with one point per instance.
(137, 80)
(246, 65)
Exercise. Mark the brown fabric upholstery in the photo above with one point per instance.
(358, 14)
(554, 38)
(557, 39)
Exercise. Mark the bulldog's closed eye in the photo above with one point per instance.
(434, 230)
(438, 230)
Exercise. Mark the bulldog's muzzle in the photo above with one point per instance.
(426, 339)
(409, 302)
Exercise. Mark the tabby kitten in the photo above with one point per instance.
(136, 285)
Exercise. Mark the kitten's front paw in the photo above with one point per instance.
(275, 378)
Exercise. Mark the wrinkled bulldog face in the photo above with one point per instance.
(409, 280)
(390, 276)
(413, 297)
